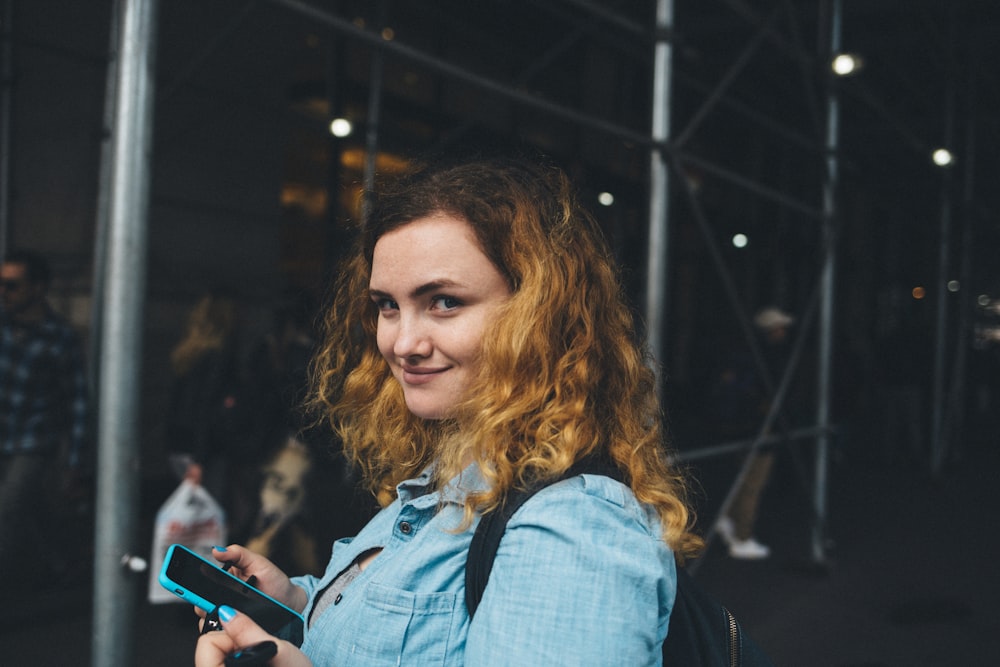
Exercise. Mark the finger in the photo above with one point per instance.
(241, 628)
(239, 631)
(234, 559)
(212, 649)
(238, 557)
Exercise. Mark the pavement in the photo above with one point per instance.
(908, 576)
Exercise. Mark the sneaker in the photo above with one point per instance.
(725, 529)
(749, 549)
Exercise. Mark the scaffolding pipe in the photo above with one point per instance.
(459, 74)
(939, 436)
(724, 84)
(956, 424)
(103, 206)
(769, 441)
(115, 586)
(6, 104)
(516, 94)
(374, 116)
(749, 185)
(826, 305)
(657, 258)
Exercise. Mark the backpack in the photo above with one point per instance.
(702, 631)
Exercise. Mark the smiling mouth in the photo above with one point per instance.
(418, 375)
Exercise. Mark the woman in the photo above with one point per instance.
(478, 341)
(209, 417)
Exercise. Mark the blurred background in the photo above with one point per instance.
(860, 199)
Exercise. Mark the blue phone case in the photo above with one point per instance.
(204, 584)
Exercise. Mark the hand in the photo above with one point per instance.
(267, 577)
(240, 632)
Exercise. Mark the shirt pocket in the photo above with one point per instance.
(403, 627)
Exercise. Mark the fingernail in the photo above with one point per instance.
(220, 548)
(227, 613)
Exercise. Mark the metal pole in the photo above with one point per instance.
(118, 451)
(375, 78)
(103, 204)
(827, 284)
(6, 98)
(656, 270)
(955, 426)
(939, 437)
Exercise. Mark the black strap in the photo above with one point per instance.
(702, 631)
(492, 526)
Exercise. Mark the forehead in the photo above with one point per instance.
(439, 243)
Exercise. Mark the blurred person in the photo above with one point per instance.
(43, 413)
(479, 342)
(279, 365)
(736, 528)
(291, 505)
(212, 413)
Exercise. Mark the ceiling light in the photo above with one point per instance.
(943, 157)
(846, 64)
(340, 127)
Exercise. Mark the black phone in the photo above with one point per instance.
(204, 584)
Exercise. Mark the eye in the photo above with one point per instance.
(384, 303)
(444, 302)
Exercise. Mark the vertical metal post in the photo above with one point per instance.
(103, 203)
(657, 258)
(939, 435)
(118, 438)
(939, 438)
(955, 426)
(826, 305)
(374, 118)
(6, 106)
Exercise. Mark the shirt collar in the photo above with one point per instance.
(468, 481)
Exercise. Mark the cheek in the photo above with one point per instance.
(467, 345)
(384, 339)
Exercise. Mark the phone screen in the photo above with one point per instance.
(206, 585)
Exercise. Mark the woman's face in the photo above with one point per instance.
(436, 294)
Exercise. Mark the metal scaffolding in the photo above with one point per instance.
(123, 270)
(121, 334)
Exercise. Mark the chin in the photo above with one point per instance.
(428, 411)
(431, 415)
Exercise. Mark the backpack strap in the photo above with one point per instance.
(489, 532)
(702, 631)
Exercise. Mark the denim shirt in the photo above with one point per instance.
(581, 578)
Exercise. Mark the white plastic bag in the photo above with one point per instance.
(190, 516)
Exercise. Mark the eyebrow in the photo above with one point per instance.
(432, 286)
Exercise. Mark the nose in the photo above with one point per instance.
(413, 337)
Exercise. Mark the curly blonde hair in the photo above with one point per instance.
(561, 376)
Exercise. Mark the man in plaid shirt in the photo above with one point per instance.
(43, 402)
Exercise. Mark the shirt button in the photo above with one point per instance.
(337, 599)
(405, 527)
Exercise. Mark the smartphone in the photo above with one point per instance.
(207, 586)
